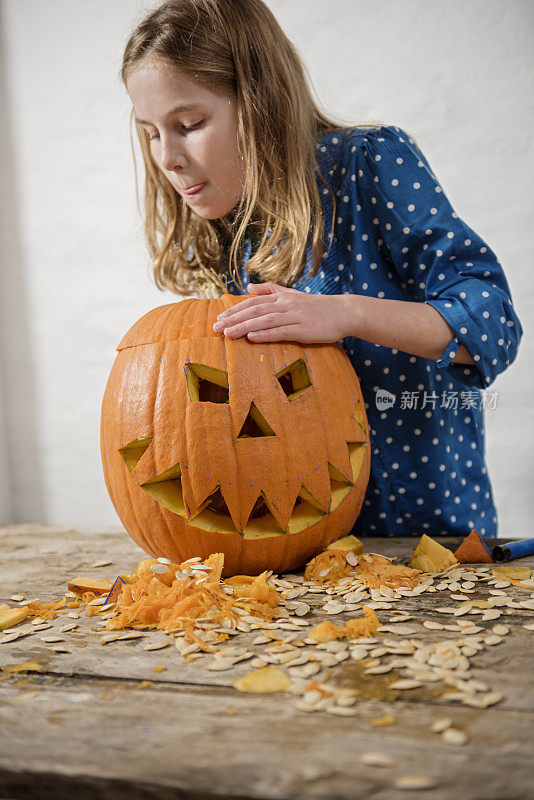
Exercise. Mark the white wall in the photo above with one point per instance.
(75, 274)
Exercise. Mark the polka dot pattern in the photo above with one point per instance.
(396, 236)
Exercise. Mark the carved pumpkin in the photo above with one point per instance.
(258, 451)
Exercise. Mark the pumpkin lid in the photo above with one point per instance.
(182, 320)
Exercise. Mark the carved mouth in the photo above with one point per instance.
(206, 384)
(213, 514)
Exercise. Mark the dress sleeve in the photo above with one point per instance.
(440, 260)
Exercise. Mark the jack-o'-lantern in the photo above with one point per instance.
(210, 444)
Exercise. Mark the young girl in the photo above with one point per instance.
(337, 234)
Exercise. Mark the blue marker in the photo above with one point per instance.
(517, 549)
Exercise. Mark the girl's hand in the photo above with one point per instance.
(279, 314)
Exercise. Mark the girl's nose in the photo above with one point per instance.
(172, 156)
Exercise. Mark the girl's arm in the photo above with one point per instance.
(414, 328)
(441, 262)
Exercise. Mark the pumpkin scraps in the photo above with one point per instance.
(394, 636)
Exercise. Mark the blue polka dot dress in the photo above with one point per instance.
(397, 236)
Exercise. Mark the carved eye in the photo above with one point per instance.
(207, 384)
(294, 379)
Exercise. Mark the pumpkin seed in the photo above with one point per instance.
(341, 711)
(479, 686)
(156, 645)
(221, 664)
(377, 760)
(9, 637)
(69, 627)
(303, 706)
(406, 683)
(258, 661)
(491, 614)
(333, 608)
(405, 630)
(493, 639)
(529, 626)
(433, 626)
(376, 652)
(51, 639)
(454, 736)
(111, 637)
(346, 699)
(294, 661)
(414, 782)
(358, 653)
(354, 597)
(381, 669)
(462, 610)
(441, 725)
(312, 696)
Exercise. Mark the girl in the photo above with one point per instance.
(337, 233)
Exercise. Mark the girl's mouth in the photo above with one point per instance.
(194, 189)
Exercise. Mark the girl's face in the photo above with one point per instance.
(193, 136)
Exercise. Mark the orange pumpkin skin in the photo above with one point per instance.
(268, 469)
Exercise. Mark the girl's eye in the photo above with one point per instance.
(185, 128)
(192, 127)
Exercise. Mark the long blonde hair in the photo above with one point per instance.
(237, 47)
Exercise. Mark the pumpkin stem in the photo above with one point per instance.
(210, 284)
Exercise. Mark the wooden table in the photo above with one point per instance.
(83, 728)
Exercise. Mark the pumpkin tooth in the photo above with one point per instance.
(134, 451)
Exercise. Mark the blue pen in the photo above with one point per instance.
(517, 549)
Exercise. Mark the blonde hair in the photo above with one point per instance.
(237, 47)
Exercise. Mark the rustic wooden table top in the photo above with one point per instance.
(89, 725)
